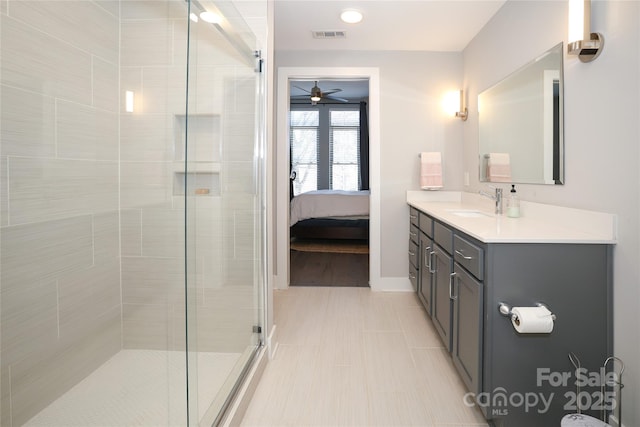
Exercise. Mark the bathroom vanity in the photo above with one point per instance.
(465, 262)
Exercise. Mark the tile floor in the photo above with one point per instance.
(141, 388)
(353, 357)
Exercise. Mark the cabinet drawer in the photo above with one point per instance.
(414, 216)
(413, 276)
(443, 236)
(414, 233)
(414, 253)
(426, 224)
(468, 255)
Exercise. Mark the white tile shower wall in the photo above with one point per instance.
(40, 63)
(152, 230)
(239, 183)
(41, 189)
(60, 287)
(153, 240)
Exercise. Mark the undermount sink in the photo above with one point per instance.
(470, 213)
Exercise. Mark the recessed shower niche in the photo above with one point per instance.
(202, 155)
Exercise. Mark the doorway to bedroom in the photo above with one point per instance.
(329, 182)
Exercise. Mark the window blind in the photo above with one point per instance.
(325, 148)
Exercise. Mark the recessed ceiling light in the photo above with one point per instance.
(212, 18)
(351, 16)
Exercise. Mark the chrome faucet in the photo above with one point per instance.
(497, 197)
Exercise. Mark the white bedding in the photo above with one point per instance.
(329, 203)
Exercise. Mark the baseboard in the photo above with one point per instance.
(272, 342)
(391, 284)
(238, 408)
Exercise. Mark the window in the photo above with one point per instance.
(325, 147)
(304, 150)
(344, 149)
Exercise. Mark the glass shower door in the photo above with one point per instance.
(223, 190)
(131, 212)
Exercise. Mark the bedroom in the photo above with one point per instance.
(329, 182)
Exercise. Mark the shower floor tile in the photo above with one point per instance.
(138, 388)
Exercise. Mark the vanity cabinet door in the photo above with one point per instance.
(425, 292)
(467, 328)
(441, 294)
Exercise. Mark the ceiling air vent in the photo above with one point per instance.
(329, 34)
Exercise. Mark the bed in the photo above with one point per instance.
(330, 214)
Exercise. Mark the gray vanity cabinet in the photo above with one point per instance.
(514, 376)
(467, 328)
(442, 264)
(468, 303)
(426, 273)
(414, 248)
(426, 269)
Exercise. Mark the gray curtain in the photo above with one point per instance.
(364, 147)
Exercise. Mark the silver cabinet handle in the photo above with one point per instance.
(412, 276)
(413, 234)
(412, 253)
(432, 265)
(463, 255)
(451, 279)
(413, 216)
(427, 260)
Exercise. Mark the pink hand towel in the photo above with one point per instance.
(430, 170)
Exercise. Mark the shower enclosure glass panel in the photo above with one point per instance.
(130, 212)
(223, 190)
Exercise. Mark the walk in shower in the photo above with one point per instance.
(131, 211)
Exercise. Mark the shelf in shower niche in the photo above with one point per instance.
(200, 182)
(196, 167)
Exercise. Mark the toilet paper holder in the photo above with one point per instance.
(505, 310)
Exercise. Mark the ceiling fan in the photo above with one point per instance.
(316, 94)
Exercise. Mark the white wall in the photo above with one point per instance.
(601, 137)
(59, 263)
(411, 88)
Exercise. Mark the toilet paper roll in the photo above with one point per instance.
(532, 320)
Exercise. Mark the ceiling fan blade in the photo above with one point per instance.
(329, 92)
(302, 89)
(335, 98)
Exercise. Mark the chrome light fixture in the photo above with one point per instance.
(453, 104)
(582, 41)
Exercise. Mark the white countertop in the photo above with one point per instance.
(538, 223)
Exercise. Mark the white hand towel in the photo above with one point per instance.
(431, 170)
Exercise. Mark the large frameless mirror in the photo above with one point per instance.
(521, 124)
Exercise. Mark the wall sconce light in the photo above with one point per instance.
(453, 104)
(582, 41)
(128, 101)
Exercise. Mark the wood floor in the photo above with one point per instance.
(328, 269)
(352, 357)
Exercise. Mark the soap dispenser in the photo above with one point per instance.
(513, 204)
